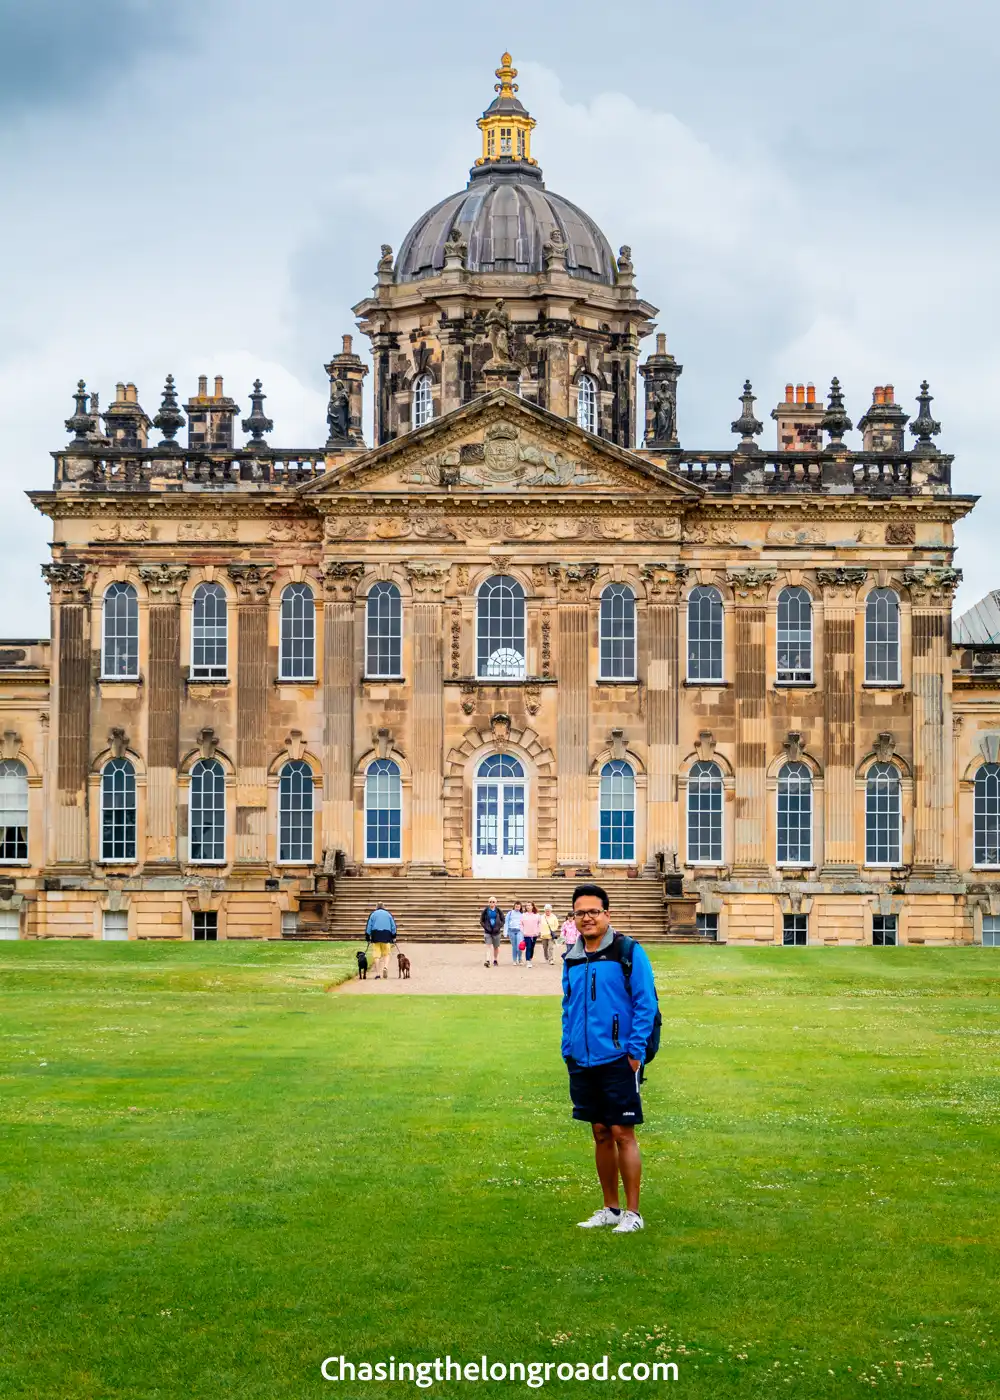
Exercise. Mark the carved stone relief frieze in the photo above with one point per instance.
(456, 643)
(207, 530)
(546, 645)
(465, 527)
(125, 531)
(699, 533)
(795, 534)
(503, 460)
(295, 531)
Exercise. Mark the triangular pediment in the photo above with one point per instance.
(501, 445)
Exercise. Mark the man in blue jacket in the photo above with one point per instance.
(606, 1024)
(381, 934)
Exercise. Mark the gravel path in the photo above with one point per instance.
(456, 969)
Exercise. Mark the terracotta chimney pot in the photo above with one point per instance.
(789, 393)
(800, 393)
(218, 386)
(810, 393)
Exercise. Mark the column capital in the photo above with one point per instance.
(842, 582)
(253, 581)
(341, 577)
(932, 587)
(428, 580)
(751, 584)
(69, 583)
(164, 578)
(664, 580)
(574, 580)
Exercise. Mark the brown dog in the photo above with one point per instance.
(403, 963)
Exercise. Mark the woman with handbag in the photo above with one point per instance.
(513, 929)
(549, 931)
(531, 927)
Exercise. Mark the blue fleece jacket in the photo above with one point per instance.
(380, 921)
(600, 1021)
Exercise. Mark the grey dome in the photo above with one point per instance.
(506, 215)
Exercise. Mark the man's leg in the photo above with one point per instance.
(606, 1157)
(629, 1164)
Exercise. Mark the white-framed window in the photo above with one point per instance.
(298, 634)
(794, 930)
(422, 400)
(207, 813)
(617, 811)
(506, 143)
(586, 403)
(795, 811)
(114, 926)
(500, 650)
(13, 812)
(383, 811)
(705, 621)
(883, 815)
(707, 925)
(795, 642)
(295, 813)
(704, 814)
(10, 924)
(118, 811)
(205, 926)
(885, 930)
(991, 931)
(986, 816)
(882, 637)
(617, 633)
(384, 630)
(120, 633)
(209, 633)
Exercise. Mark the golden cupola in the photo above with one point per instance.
(506, 124)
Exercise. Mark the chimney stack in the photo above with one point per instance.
(210, 417)
(883, 425)
(798, 419)
(125, 422)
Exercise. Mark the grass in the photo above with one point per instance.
(215, 1174)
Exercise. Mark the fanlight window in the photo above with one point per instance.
(500, 629)
(208, 812)
(298, 633)
(794, 636)
(384, 629)
(118, 811)
(704, 814)
(883, 815)
(795, 815)
(882, 637)
(586, 403)
(295, 813)
(120, 659)
(209, 633)
(13, 811)
(617, 633)
(617, 811)
(383, 811)
(705, 634)
(986, 815)
(423, 402)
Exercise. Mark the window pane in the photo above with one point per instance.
(795, 815)
(383, 811)
(423, 402)
(882, 637)
(298, 633)
(208, 811)
(705, 620)
(794, 635)
(707, 925)
(10, 924)
(991, 931)
(13, 811)
(883, 811)
(500, 629)
(118, 819)
(795, 929)
(704, 814)
(617, 633)
(884, 930)
(121, 631)
(586, 403)
(384, 631)
(295, 813)
(617, 810)
(209, 632)
(205, 925)
(986, 815)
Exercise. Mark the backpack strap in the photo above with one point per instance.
(624, 946)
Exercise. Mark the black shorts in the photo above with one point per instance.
(607, 1094)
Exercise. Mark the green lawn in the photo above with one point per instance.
(215, 1174)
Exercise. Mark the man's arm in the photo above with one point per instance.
(368, 928)
(392, 926)
(643, 1003)
(565, 1011)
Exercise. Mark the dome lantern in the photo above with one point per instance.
(506, 125)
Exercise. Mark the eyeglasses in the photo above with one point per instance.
(580, 915)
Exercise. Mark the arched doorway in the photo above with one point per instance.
(499, 848)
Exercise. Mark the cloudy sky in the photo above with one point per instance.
(202, 187)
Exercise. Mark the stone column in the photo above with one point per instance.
(750, 588)
(253, 677)
(840, 590)
(428, 581)
(664, 583)
(340, 581)
(572, 746)
(163, 584)
(66, 825)
(931, 593)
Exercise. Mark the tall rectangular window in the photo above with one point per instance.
(794, 637)
(882, 637)
(384, 629)
(10, 924)
(705, 635)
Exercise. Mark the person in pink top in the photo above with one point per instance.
(531, 927)
(569, 931)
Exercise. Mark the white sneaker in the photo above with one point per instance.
(604, 1216)
(631, 1220)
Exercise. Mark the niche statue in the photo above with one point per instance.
(338, 415)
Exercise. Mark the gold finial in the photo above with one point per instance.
(506, 87)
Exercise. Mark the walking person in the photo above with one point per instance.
(549, 931)
(569, 931)
(380, 932)
(531, 927)
(512, 929)
(608, 1019)
(492, 921)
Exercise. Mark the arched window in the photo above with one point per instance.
(882, 637)
(118, 819)
(295, 813)
(586, 403)
(383, 811)
(13, 811)
(120, 653)
(705, 618)
(795, 815)
(883, 815)
(298, 634)
(207, 814)
(617, 633)
(209, 633)
(500, 629)
(795, 663)
(986, 816)
(384, 631)
(617, 811)
(423, 403)
(704, 814)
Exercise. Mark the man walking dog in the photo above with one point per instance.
(610, 1029)
(380, 932)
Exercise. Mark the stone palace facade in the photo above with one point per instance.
(502, 641)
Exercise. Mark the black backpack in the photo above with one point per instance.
(623, 945)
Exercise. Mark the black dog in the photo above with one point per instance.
(362, 958)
